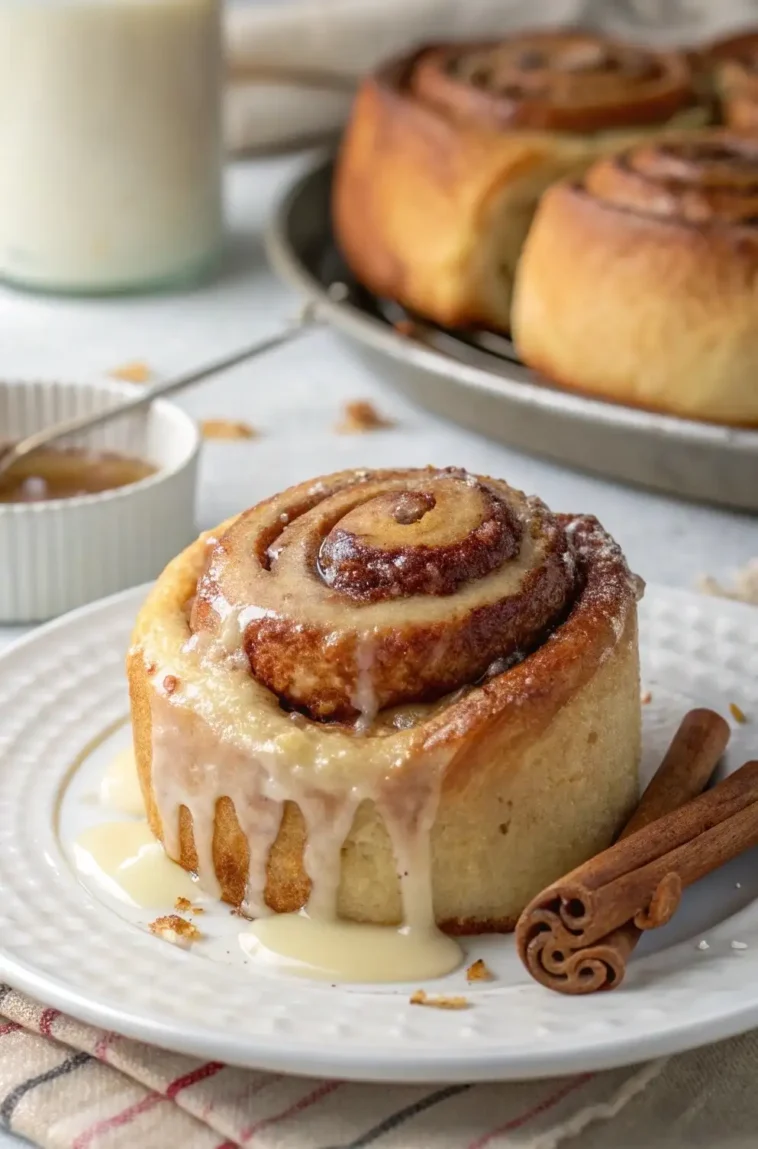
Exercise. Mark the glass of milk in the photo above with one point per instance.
(110, 143)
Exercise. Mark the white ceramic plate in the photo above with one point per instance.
(62, 709)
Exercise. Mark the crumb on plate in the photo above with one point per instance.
(479, 971)
(737, 713)
(185, 906)
(134, 372)
(438, 1000)
(178, 931)
(646, 697)
(360, 416)
(226, 429)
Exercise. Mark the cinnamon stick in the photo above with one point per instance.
(577, 936)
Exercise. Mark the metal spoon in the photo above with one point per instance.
(10, 453)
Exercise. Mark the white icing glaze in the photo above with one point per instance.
(195, 767)
(349, 951)
(124, 859)
(120, 788)
(364, 697)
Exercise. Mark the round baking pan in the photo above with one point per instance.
(476, 379)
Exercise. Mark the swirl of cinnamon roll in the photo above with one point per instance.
(563, 81)
(703, 181)
(386, 587)
(447, 153)
(490, 650)
(734, 63)
(638, 282)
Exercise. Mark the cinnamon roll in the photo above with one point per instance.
(392, 696)
(734, 63)
(638, 283)
(448, 151)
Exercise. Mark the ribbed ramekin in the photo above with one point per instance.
(61, 553)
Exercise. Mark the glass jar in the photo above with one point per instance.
(110, 143)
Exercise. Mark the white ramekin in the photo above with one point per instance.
(61, 553)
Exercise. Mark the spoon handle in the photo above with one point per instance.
(142, 398)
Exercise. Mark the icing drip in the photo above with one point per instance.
(365, 698)
(195, 768)
(328, 821)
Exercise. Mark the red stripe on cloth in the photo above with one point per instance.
(250, 1091)
(46, 1020)
(9, 1027)
(304, 1103)
(103, 1045)
(193, 1077)
(117, 1120)
(543, 1107)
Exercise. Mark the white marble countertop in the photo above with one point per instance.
(294, 397)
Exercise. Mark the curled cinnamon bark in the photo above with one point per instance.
(371, 589)
(564, 81)
(566, 945)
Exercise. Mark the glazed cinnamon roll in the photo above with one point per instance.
(638, 283)
(734, 63)
(389, 696)
(447, 153)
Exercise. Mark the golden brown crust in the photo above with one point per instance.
(541, 761)
(674, 328)
(438, 178)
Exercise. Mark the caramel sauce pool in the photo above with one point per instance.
(59, 473)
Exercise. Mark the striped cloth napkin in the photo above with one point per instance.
(66, 1085)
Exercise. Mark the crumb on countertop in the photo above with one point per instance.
(134, 372)
(479, 971)
(176, 930)
(745, 588)
(438, 1001)
(646, 697)
(360, 416)
(226, 429)
(737, 713)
